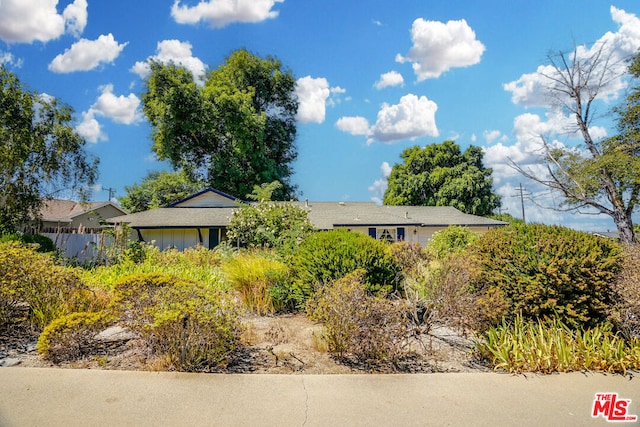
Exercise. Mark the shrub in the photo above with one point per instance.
(329, 255)
(44, 243)
(371, 329)
(441, 289)
(626, 310)
(255, 277)
(549, 346)
(544, 271)
(33, 280)
(192, 325)
(281, 226)
(71, 337)
(408, 255)
(451, 240)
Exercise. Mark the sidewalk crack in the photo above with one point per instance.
(306, 402)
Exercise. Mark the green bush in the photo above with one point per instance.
(280, 226)
(193, 326)
(254, 276)
(32, 280)
(371, 329)
(71, 337)
(45, 244)
(329, 255)
(407, 255)
(451, 240)
(544, 271)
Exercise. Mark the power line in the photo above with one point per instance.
(112, 192)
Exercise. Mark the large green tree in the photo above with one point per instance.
(40, 153)
(159, 189)
(234, 131)
(604, 175)
(442, 175)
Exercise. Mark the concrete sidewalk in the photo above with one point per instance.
(67, 397)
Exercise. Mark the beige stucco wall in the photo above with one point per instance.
(179, 238)
(421, 235)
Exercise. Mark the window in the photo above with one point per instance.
(387, 234)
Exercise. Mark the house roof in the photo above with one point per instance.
(57, 210)
(323, 215)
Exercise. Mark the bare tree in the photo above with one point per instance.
(599, 174)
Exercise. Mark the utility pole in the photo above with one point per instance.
(112, 192)
(522, 202)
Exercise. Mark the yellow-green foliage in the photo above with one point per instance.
(254, 277)
(33, 280)
(542, 271)
(371, 329)
(551, 346)
(71, 337)
(199, 264)
(193, 325)
(451, 240)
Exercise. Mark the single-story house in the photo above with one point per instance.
(68, 216)
(202, 219)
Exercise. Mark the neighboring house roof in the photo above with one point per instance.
(63, 211)
(323, 215)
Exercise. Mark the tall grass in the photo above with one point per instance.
(254, 275)
(549, 345)
(200, 265)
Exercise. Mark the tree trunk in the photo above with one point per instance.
(625, 226)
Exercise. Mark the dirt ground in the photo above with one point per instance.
(286, 344)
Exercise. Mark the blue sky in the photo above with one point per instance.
(374, 77)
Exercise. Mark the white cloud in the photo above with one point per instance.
(532, 89)
(172, 51)
(354, 125)
(85, 55)
(220, 13)
(392, 78)
(438, 47)
(26, 21)
(312, 96)
(491, 136)
(8, 59)
(120, 109)
(413, 117)
(379, 186)
(75, 17)
(89, 128)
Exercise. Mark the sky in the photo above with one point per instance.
(374, 78)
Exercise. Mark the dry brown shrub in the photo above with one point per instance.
(626, 310)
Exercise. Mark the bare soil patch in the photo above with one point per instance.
(285, 344)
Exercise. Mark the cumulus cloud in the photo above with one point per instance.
(220, 13)
(314, 94)
(354, 125)
(392, 78)
(411, 118)
(90, 129)
(172, 51)
(532, 89)
(120, 109)
(85, 55)
(379, 186)
(438, 47)
(26, 21)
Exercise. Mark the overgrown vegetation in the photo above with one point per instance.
(328, 256)
(191, 325)
(549, 345)
(537, 298)
(31, 282)
(372, 330)
(544, 271)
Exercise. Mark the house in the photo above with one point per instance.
(68, 216)
(202, 219)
